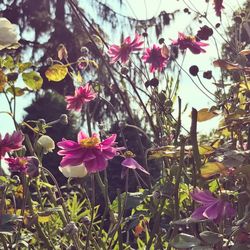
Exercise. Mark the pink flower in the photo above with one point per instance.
(27, 165)
(127, 47)
(189, 42)
(82, 95)
(218, 6)
(89, 151)
(130, 162)
(11, 142)
(211, 207)
(155, 58)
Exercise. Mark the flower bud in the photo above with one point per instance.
(84, 51)
(124, 70)
(78, 171)
(46, 143)
(49, 61)
(64, 119)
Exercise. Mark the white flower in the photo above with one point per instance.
(8, 34)
(46, 143)
(74, 171)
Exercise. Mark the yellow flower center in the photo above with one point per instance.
(129, 154)
(90, 142)
(22, 161)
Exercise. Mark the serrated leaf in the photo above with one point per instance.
(44, 184)
(213, 186)
(33, 80)
(56, 72)
(183, 240)
(212, 168)
(133, 200)
(15, 91)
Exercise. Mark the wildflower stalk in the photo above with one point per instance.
(194, 142)
(120, 217)
(45, 239)
(178, 179)
(178, 129)
(3, 241)
(143, 106)
(92, 210)
(65, 219)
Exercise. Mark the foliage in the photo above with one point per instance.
(174, 192)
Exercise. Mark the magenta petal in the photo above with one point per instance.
(198, 213)
(133, 164)
(96, 165)
(212, 212)
(81, 135)
(204, 197)
(108, 142)
(70, 161)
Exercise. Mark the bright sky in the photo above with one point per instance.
(148, 8)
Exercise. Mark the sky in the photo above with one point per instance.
(146, 9)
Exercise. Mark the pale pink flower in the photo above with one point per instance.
(189, 42)
(218, 6)
(11, 142)
(154, 57)
(82, 95)
(28, 165)
(127, 47)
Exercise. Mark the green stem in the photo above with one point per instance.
(194, 142)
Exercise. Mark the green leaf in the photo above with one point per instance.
(202, 248)
(7, 218)
(23, 66)
(8, 62)
(187, 221)
(183, 240)
(44, 184)
(213, 186)
(56, 72)
(133, 200)
(16, 91)
(211, 237)
(33, 80)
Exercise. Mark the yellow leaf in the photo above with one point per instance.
(62, 52)
(165, 51)
(205, 114)
(244, 52)
(217, 143)
(212, 168)
(43, 219)
(205, 149)
(56, 72)
(226, 65)
(3, 80)
(165, 152)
